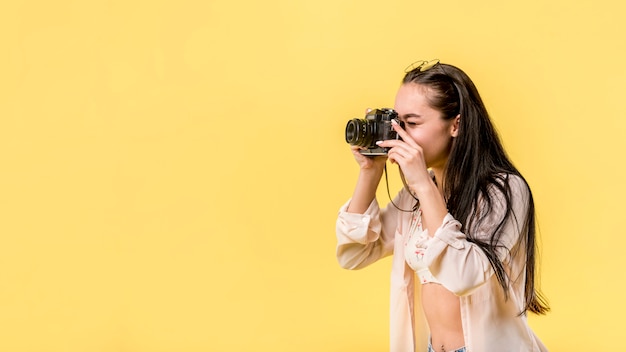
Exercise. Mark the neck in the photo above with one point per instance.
(438, 172)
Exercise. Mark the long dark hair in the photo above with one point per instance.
(477, 165)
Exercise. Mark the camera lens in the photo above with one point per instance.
(356, 133)
(351, 131)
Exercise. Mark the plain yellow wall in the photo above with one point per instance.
(171, 170)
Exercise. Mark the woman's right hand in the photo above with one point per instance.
(376, 163)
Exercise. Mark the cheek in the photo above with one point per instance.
(419, 137)
(423, 137)
(434, 143)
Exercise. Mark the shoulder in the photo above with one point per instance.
(506, 191)
(509, 183)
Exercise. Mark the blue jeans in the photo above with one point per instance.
(430, 349)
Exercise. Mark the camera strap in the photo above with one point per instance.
(417, 201)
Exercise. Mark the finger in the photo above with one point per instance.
(395, 143)
(355, 148)
(400, 155)
(402, 133)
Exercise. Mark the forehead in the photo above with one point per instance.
(413, 99)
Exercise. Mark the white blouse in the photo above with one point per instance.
(490, 322)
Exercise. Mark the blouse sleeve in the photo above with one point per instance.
(362, 239)
(461, 266)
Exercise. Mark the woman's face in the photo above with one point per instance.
(425, 125)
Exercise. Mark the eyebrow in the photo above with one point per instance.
(406, 116)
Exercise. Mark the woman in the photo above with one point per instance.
(464, 222)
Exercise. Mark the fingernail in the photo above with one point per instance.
(393, 121)
(379, 142)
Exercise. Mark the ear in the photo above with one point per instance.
(454, 128)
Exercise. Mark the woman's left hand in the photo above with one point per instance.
(410, 157)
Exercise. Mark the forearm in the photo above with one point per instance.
(432, 205)
(365, 190)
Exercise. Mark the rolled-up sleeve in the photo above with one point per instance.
(364, 238)
(462, 266)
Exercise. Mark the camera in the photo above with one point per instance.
(376, 126)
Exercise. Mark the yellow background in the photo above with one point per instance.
(171, 170)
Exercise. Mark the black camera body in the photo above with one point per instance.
(376, 126)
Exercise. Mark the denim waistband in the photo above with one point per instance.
(430, 349)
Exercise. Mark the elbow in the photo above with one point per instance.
(351, 259)
(461, 287)
(458, 281)
(356, 256)
(347, 266)
(348, 263)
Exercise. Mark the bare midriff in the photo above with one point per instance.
(442, 309)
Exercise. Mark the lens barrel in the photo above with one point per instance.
(357, 133)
